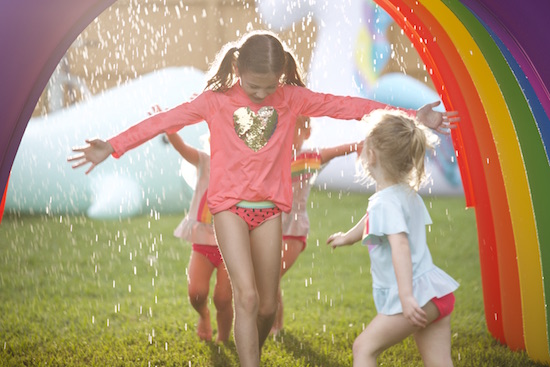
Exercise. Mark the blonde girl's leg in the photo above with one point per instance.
(266, 242)
(234, 242)
(223, 300)
(199, 271)
(434, 341)
(383, 332)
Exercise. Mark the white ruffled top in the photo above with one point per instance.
(397, 209)
(197, 226)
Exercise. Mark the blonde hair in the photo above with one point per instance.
(400, 144)
(257, 52)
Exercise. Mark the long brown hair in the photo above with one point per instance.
(259, 52)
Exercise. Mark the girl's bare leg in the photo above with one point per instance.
(234, 242)
(290, 252)
(266, 256)
(385, 331)
(198, 280)
(434, 343)
(223, 300)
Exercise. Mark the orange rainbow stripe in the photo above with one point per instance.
(203, 212)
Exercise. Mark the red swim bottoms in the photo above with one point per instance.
(254, 217)
(445, 305)
(302, 239)
(212, 253)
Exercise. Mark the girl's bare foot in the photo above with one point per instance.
(204, 328)
(278, 323)
(221, 340)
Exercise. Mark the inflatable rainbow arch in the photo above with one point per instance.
(483, 65)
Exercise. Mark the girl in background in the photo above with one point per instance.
(197, 228)
(250, 104)
(306, 166)
(412, 296)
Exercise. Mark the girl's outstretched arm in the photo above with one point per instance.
(95, 152)
(438, 121)
(188, 153)
(350, 237)
(402, 263)
(328, 154)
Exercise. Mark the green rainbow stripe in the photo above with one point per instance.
(503, 163)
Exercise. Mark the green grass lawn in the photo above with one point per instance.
(81, 292)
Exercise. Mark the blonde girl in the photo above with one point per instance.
(412, 296)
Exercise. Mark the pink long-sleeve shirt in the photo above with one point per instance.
(250, 155)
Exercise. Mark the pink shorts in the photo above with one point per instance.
(255, 217)
(212, 253)
(445, 305)
(302, 239)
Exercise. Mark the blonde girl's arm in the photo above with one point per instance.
(350, 237)
(402, 263)
(188, 153)
(328, 154)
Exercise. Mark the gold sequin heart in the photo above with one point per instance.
(255, 129)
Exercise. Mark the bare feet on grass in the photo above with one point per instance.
(204, 328)
(221, 340)
(278, 323)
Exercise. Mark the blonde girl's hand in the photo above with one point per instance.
(337, 240)
(441, 122)
(413, 312)
(95, 152)
(350, 237)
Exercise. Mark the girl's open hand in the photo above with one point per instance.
(337, 240)
(95, 152)
(441, 122)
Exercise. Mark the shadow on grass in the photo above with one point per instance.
(302, 349)
(223, 355)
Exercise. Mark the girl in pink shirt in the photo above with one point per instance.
(250, 104)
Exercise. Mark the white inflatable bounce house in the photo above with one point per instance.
(349, 54)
